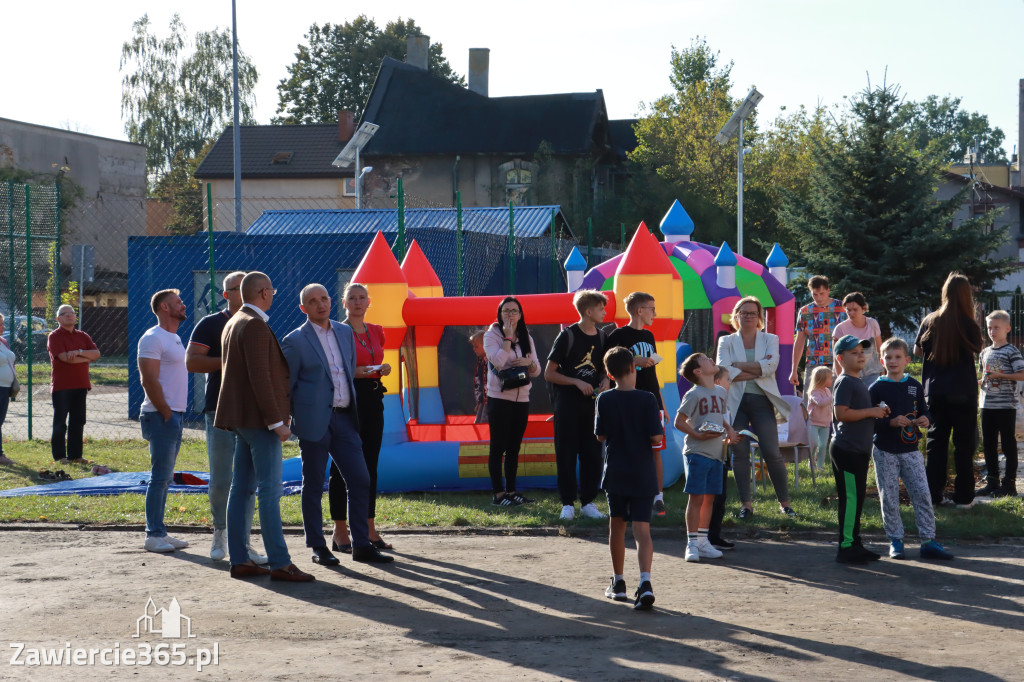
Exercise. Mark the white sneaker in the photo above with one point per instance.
(692, 553)
(158, 545)
(707, 550)
(592, 512)
(256, 557)
(175, 542)
(219, 548)
(568, 513)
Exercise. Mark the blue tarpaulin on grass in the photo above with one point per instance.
(119, 483)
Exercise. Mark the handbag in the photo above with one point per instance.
(513, 377)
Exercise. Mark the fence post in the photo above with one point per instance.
(511, 250)
(28, 297)
(554, 255)
(10, 282)
(590, 242)
(401, 221)
(56, 260)
(459, 278)
(209, 228)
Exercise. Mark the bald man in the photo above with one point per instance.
(254, 403)
(322, 363)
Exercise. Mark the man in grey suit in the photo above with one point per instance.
(322, 362)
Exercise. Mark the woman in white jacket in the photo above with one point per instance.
(507, 343)
(751, 356)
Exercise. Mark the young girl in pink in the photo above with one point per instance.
(819, 404)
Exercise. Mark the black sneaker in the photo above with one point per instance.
(659, 507)
(520, 499)
(721, 543)
(617, 590)
(1006, 491)
(850, 555)
(989, 489)
(505, 501)
(746, 514)
(644, 597)
(865, 552)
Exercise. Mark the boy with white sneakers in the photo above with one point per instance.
(702, 416)
(576, 368)
(628, 422)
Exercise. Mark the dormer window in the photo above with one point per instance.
(281, 158)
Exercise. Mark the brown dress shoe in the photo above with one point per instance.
(292, 574)
(248, 570)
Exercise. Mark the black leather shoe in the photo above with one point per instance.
(323, 556)
(370, 555)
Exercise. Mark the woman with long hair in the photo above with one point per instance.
(370, 367)
(507, 343)
(865, 328)
(752, 355)
(949, 339)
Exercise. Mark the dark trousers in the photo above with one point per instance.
(68, 422)
(5, 401)
(341, 444)
(851, 471)
(1000, 425)
(574, 438)
(370, 403)
(956, 415)
(718, 511)
(507, 419)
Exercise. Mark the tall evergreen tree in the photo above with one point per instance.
(871, 221)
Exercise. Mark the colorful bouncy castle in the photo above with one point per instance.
(426, 449)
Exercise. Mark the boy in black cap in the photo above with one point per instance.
(853, 418)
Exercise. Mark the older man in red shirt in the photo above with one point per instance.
(71, 351)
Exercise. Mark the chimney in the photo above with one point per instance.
(479, 67)
(416, 51)
(346, 125)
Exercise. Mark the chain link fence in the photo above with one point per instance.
(107, 256)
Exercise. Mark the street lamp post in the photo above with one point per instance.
(734, 128)
(351, 152)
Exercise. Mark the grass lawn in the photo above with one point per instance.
(814, 502)
(100, 374)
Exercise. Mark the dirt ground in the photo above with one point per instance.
(491, 606)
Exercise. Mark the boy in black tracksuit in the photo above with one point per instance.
(853, 418)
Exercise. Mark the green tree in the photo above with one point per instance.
(186, 194)
(337, 66)
(177, 93)
(677, 157)
(941, 122)
(871, 222)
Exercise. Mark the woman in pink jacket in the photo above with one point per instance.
(507, 343)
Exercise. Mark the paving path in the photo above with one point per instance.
(484, 606)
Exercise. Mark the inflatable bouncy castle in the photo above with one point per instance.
(426, 449)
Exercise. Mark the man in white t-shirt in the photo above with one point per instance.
(165, 381)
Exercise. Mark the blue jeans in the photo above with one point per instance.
(164, 442)
(220, 448)
(257, 463)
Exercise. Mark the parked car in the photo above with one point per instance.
(40, 332)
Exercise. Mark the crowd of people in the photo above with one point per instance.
(323, 384)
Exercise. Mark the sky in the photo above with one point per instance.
(61, 65)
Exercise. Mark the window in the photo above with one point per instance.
(518, 175)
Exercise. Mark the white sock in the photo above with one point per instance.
(702, 533)
(619, 576)
(660, 496)
(645, 577)
(691, 537)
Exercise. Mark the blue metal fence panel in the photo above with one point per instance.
(531, 221)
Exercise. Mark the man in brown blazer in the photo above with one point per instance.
(254, 402)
